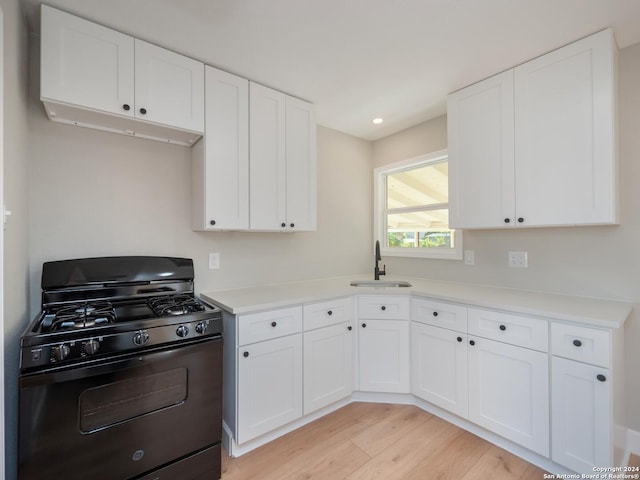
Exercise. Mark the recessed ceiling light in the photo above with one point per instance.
(378, 120)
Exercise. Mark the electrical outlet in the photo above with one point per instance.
(214, 261)
(469, 257)
(518, 259)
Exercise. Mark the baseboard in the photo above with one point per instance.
(633, 444)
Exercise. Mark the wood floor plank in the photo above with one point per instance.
(337, 427)
(533, 473)
(452, 460)
(497, 464)
(418, 446)
(336, 462)
(378, 437)
(403, 455)
(634, 461)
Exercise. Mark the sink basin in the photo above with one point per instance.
(380, 283)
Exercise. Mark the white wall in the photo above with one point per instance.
(16, 254)
(586, 261)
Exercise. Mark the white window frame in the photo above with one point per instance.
(380, 210)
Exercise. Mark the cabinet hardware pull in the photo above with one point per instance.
(273, 324)
(435, 314)
(520, 219)
(507, 220)
(364, 325)
(459, 339)
(601, 377)
(283, 224)
(126, 107)
(472, 342)
(383, 308)
(503, 327)
(245, 354)
(143, 111)
(329, 312)
(212, 222)
(349, 328)
(577, 343)
(292, 224)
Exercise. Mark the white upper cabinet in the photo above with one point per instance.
(86, 64)
(169, 88)
(481, 154)
(282, 156)
(220, 161)
(565, 141)
(535, 146)
(96, 77)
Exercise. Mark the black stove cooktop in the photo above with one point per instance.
(110, 305)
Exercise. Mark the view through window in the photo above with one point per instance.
(413, 208)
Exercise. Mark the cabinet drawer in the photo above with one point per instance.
(514, 329)
(584, 344)
(256, 327)
(323, 314)
(446, 315)
(390, 307)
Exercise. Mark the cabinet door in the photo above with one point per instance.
(481, 154)
(269, 385)
(565, 145)
(581, 418)
(267, 158)
(301, 165)
(439, 367)
(221, 169)
(86, 64)
(383, 351)
(509, 392)
(328, 365)
(169, 88)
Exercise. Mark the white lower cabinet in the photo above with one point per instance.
(269, 385)
(383, 344)
(581, 419)
(492, 368)
(383, 356)
(328, 365)
(439, 367)
(509, 392)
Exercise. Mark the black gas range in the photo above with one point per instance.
(129, 359)
(97, 307)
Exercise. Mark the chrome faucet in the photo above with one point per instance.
(376, 271)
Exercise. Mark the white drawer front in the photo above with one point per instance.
(323, 314)
(446, 315)
(584, 344)
(390, 307)
(256, 327)
(508, 328)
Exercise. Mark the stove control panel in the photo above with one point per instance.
(64, 351)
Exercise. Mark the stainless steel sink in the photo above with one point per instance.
(380, 283)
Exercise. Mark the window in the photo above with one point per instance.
(412, 209)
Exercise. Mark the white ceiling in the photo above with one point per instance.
(358, 59)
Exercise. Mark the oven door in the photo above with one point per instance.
(123, 417)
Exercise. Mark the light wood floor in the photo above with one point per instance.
(368, 441)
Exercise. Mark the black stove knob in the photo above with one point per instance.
(201, 327)
(182, 331)
(60, 352)
(141, 337)
(90, 347)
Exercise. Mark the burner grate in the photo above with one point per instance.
(76, 316)
(175, 305)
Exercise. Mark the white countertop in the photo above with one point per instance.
(591, 311)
